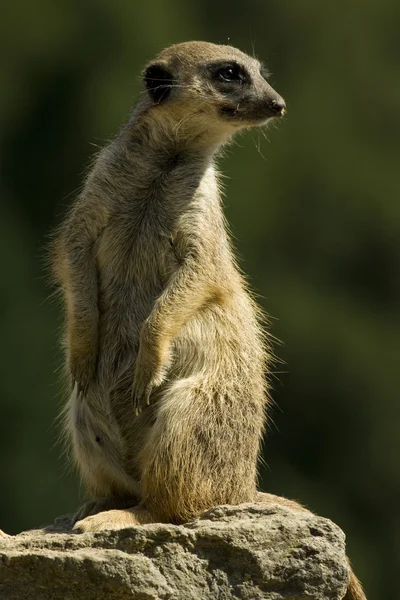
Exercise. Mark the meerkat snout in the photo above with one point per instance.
(278, 107)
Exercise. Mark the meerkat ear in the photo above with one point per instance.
(159, 82)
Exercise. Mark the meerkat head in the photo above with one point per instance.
(213, 89)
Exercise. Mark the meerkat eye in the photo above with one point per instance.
(230, 73)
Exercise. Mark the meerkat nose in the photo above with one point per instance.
(278, 107)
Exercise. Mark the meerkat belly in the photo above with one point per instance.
(220, 342)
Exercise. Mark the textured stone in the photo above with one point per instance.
(252, 551)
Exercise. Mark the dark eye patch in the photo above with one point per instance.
(229, 72)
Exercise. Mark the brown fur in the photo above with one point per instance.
(164, 343)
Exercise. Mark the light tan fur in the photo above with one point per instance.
(164, 343)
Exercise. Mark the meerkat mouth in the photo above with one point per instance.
(249, 117)
(229, 111)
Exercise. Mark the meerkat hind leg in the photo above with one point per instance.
(195, 456)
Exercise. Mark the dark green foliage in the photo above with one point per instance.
(317, 222)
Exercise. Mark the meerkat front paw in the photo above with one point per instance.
(83, 370)
(110, 519)
(150, 372)
(145, 381)
(83, 355)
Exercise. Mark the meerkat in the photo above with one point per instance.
(165, 345)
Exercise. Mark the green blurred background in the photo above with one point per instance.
(316, 216)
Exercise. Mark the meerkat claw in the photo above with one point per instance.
(81, 391)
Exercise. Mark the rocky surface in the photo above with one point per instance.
(252, 551)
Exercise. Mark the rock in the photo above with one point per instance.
(251, 551)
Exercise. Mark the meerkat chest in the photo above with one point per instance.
(130, 249)
(138, 241)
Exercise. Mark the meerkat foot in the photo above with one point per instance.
(113, 519)
(263, 497)
(103, 504)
